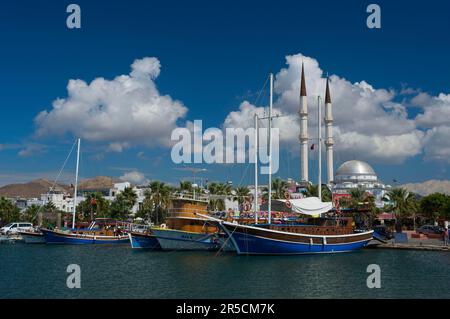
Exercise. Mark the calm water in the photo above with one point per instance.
(39, 271)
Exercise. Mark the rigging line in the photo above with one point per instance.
(57, 177)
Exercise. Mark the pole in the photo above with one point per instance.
(256, 168)
(76, 185)
(270, 150)
(319, 125)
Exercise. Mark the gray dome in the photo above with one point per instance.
(355, 168)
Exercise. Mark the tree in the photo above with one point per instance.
(358, 197)
(241, 195)
(30, 214)
(120, 207)
(312, 191)
(94, 206)
(279, 188)
(8, 211)
(123, 203)
(219, 192)
(401, 202)
(434, 205)
(185, 187)
(157, 201)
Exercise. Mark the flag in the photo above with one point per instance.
(312, 147)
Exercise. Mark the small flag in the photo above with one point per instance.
(312, 147)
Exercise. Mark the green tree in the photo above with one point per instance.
(185, 187)
(219, 192)
(279, 188)
(156, 202)
(241, 195)
(434, 205)
(30, 214)
(8, 211)
(312, 191)
(94, 206)
(401, 202)
(120, 208)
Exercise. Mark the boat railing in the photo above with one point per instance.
(186, 212)
(190, 196)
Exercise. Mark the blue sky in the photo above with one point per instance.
(214, 55)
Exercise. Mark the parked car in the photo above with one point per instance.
(383, 231)
(430, 229)
(13, 228)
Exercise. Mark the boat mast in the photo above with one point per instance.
(76, 185)
(319, 125)
(270, 150)
(256, 169)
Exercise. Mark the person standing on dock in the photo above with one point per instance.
(446, 236)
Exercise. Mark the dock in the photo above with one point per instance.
(414, 246)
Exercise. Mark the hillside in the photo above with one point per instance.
(99, 182)
(32, 189)
(428, 187)
(35, 188)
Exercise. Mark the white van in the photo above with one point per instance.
(13, 228)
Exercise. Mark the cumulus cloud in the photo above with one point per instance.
(125, 111)
(134, 177)
(436, 110)
(368, 121)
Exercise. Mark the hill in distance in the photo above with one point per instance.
(35, 188)
(429, 187)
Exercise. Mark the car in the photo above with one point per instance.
(13, 228)
(430, 229)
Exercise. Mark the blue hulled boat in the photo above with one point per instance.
(144, 241)
(82, 237)
(293, 239)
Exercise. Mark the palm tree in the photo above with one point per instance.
(130, 196)
(358, 197)
(279, 188)
(31, 212)
(94, 205)
(219, 192)
(401, 202)
(312, 191)
(8, 211)
(241, 195)
(185, 187)
(157, 200)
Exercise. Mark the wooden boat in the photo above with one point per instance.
(34, 236)
(279, 239)
(100, 231)
(186, 230)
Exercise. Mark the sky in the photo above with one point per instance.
(137, 70)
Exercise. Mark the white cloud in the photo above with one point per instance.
(134, 177)
(436, 110)
(438, 144)
(122, 112)
(368, 122)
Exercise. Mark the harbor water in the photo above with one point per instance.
(40, 271)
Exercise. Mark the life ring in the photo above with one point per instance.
(288, 204)
(287, 195)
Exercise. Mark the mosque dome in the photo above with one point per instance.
(355, 168)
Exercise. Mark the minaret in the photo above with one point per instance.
(303, 112)
(329, 142)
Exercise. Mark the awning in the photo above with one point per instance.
(309, 206)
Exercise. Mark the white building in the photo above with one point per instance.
(120, 187)
(62, 201)
(359, 174)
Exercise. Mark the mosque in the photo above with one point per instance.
(351, 174)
